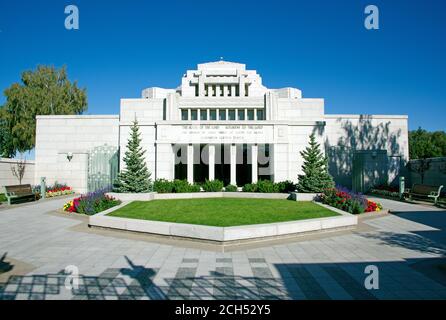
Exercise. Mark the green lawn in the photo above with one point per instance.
(222, 212)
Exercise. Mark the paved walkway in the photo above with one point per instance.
(37, 245)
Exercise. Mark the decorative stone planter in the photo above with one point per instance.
(132, 196)
(224, 234)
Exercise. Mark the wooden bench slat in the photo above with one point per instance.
(424, 190)
(18, 192)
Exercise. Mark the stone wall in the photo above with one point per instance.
(8, 179)
(435, 175)
(56, 136)
(343, 135)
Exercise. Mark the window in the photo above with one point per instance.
(203, 114)
(184, 114)
(193, 115)
(196, 90)
(222, 114)
(241, 114)
(212, 114)
(214, 90)
(221, 91)
(231, 114)
(260, 115)
(250, 114)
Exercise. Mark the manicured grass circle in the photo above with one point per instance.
(222, 212)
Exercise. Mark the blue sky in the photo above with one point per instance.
(318, 46)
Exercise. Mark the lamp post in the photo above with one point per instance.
(402, 187)
(43, 187)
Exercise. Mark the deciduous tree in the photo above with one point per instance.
(44, 91)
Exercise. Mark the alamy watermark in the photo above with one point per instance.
(371, 21)
(72, 279)
(72, 20)
(371, 281)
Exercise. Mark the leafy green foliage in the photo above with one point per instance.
(183, 186)
(6, 147)
(213, 185)
(424, 144)
(45, 91)
(286, 186)
(231, 188)
(315, 168)
(163, 186)
(250, 187)
(135, 178)
(266, 186)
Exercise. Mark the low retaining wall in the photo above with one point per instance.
(224, 234)
(197, 195)
(132, 196)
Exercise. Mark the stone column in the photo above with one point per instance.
(225, 90)
(190, 163)
(201, 92)
(254, 165)
(211, 162)
(217, 90)
(241, 86)
(233, 156)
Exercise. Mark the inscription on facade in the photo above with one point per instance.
(209, 133)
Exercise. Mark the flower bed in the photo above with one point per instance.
(386, 190)
(56, 190)
(62, 191)
(385, 193)
(349, 201)
(91, 203)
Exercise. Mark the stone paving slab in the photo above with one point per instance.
(407, 247)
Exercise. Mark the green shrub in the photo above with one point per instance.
(182, 186)
(286, 186)
(163, 186)
(231, 188)
(250, 187)
(212, 185)
(266, 186)
(194, 188)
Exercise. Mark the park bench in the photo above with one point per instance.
(424, 191)
(19, 193)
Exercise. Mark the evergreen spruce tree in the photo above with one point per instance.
(135, 178)
(316, 177)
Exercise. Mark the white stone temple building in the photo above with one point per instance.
(221, 123)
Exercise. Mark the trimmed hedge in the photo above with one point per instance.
(266, 186)
(182, 186)
(231, 188)
(176, 186)
(163, 186)
(213, 186)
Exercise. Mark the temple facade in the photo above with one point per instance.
(221, 123)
